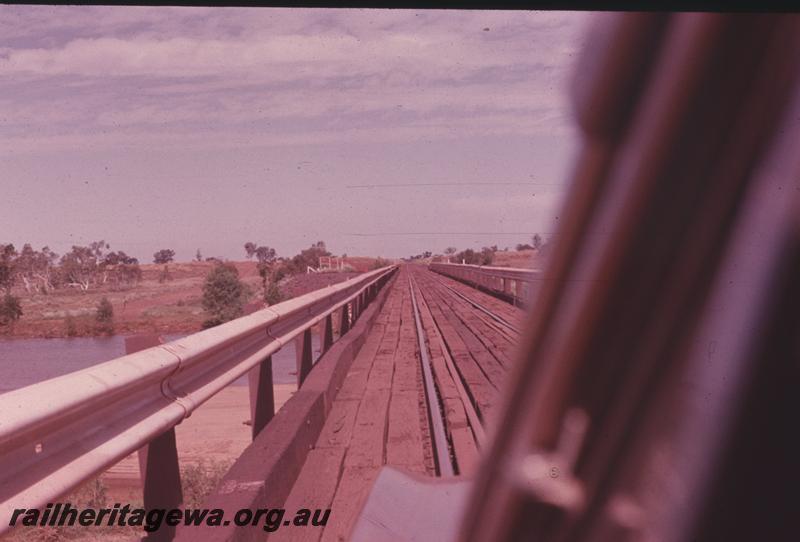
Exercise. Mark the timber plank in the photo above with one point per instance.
(315, 488)
(338, 429)
(404, 438)
(488, 363)
(355, 383)
(367, 443)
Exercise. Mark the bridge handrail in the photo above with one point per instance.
(527, 275)
(57, 434)
(514, 284)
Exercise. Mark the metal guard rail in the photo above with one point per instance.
(57, 434)
(517, 285)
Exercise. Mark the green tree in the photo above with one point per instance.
(273, 294)
(266, 258)
(10, 310)
(467, 256)
(7, 255)
(70, 327)
(120, 269)
(81, 265)
(309, 257)
(36, 269)
(224, 294)
(165, 255)
(105, 316)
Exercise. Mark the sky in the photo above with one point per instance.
(381, 132)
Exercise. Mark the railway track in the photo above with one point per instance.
(418, 396)
(462, 365)
(505, 326)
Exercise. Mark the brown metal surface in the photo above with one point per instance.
(441, 448)
(475, 424)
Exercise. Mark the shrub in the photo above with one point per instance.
(10, 310)
(70, 327)
(273, 294)
(164, 275)
(469, 256)
(199, 480)
(308, 257)
(94, 494)
(280, 271)
(224, 294)
(105, 316)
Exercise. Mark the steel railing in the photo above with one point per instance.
(57, 434)
(516, 285)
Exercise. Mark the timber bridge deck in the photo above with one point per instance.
(380, 416)
(410, 376)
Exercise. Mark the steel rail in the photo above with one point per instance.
(56, 434)
(471, 411)
(440, 444)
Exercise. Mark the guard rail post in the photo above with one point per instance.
(304, 356)
(158, 461)
(344, 325)
(327, 333)
(262, 395)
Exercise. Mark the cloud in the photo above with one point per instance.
(181, 76)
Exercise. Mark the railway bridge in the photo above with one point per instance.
(412, 360)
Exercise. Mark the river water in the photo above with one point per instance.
(26, 361)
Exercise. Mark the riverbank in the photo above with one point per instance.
(151, 306)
